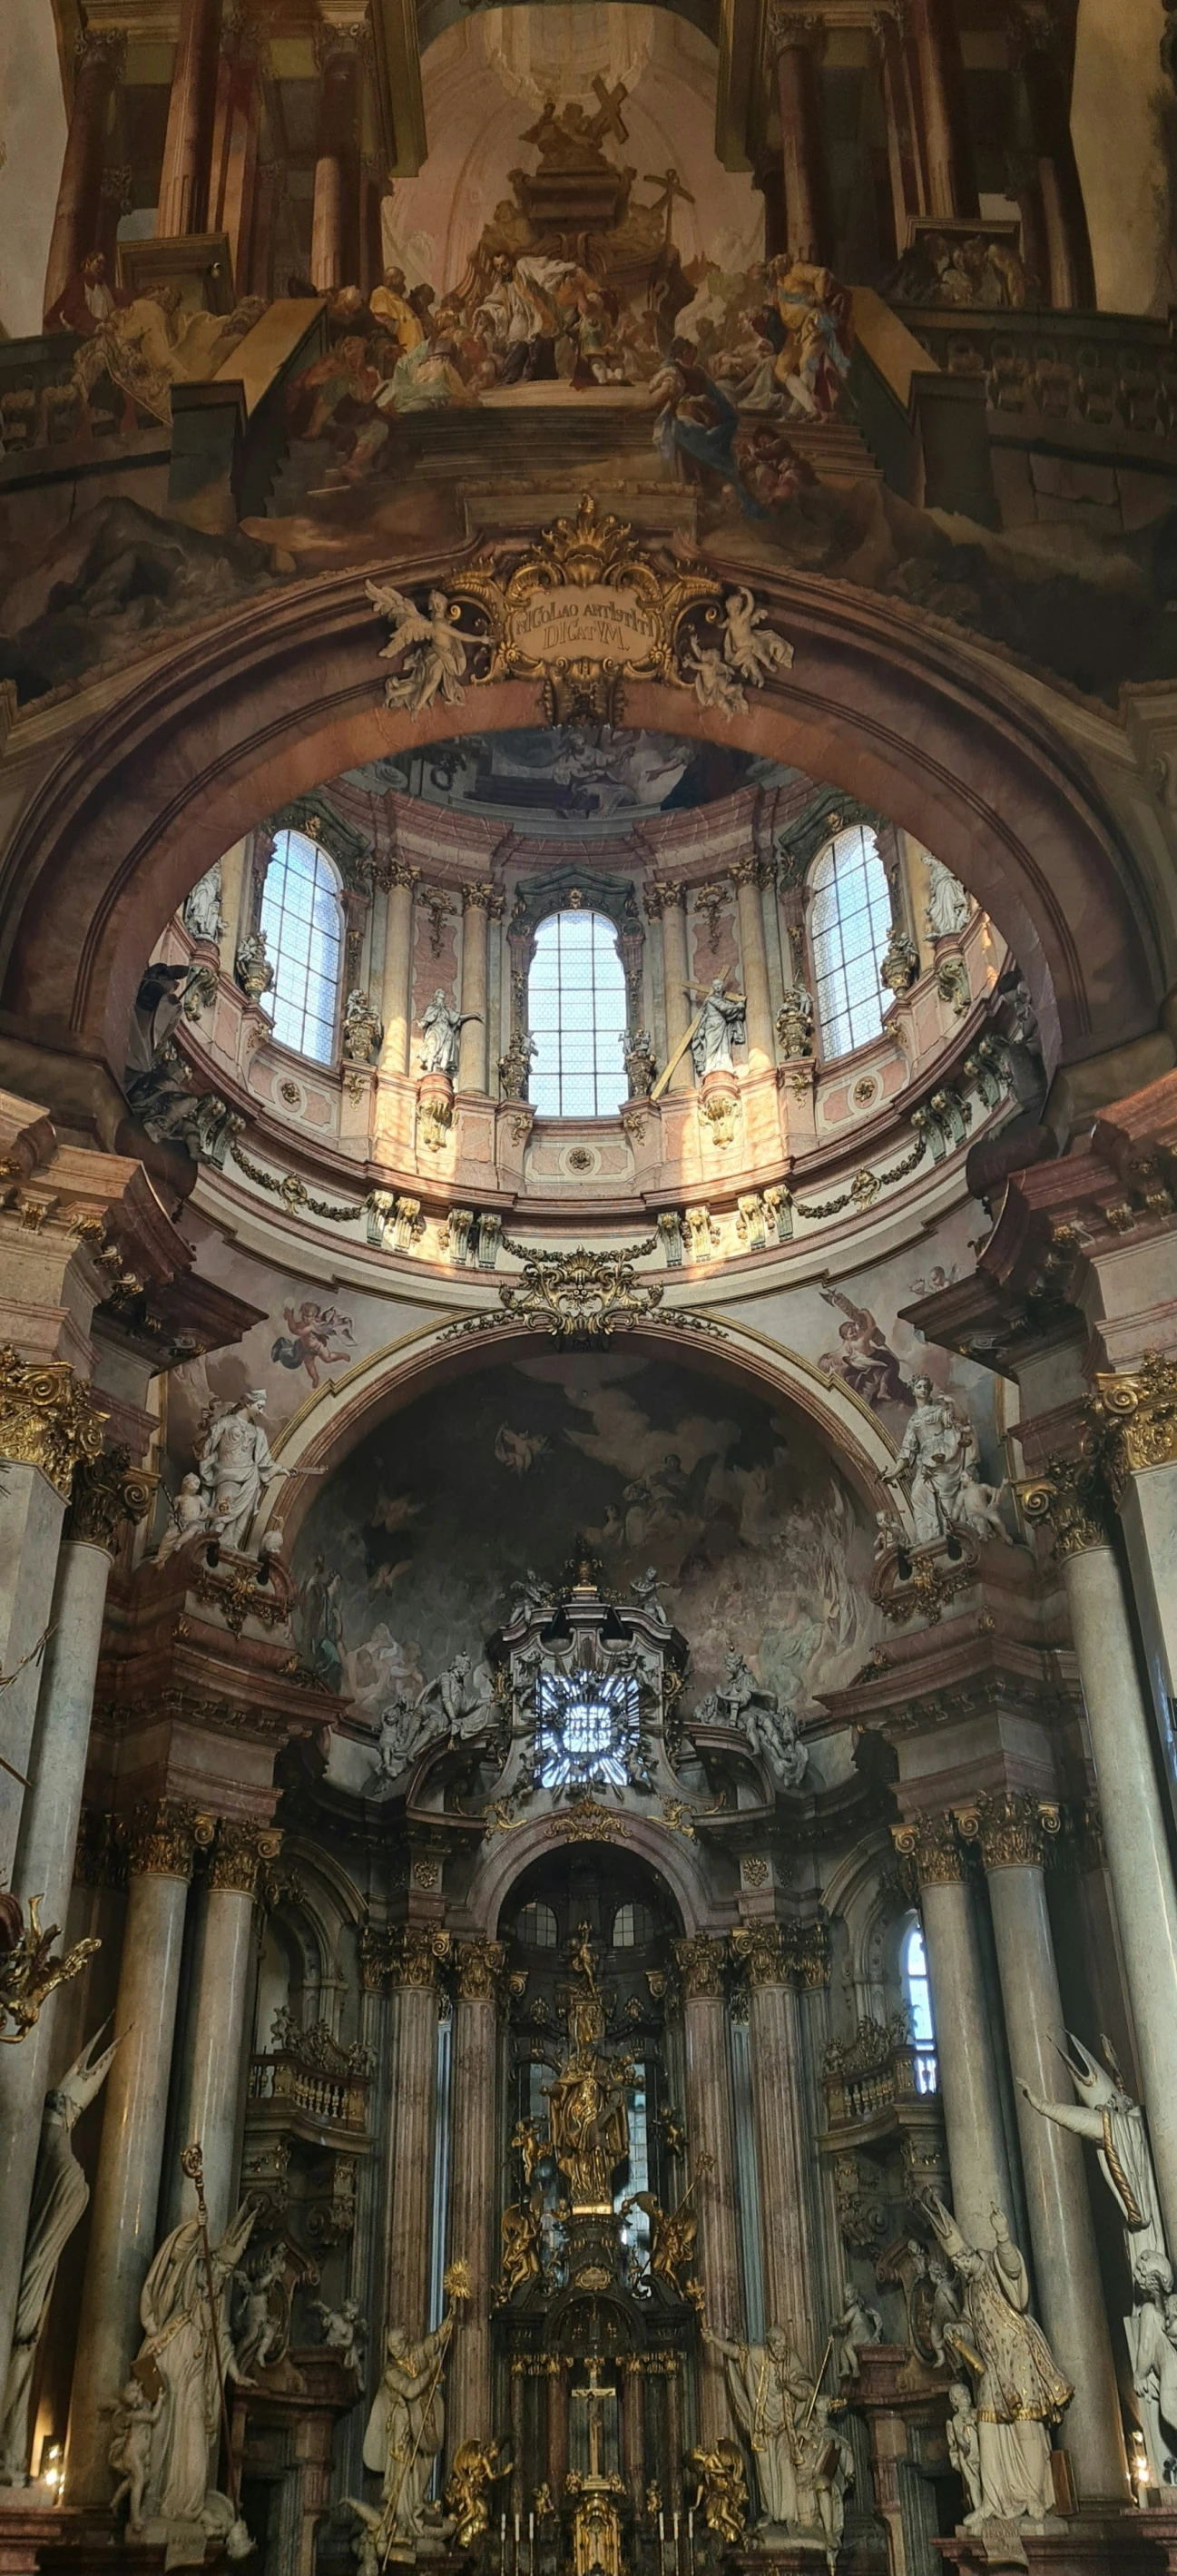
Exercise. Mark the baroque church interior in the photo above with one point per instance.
(588, 1287)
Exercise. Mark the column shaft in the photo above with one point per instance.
(709, 2120)
(334, 215)
(951, 188)
(1066, 2263)
(31, 1514)
(803, 162)
(44, 1868)
(79, 196)
(1071, 280)
(782, 2155)
(754, 961)
(671, 905)
(187, 151)
(1148, 1516)
(412, 2144)
(126, 2192)
(968, 2075)
(472, 2199)
(1139, 1866)
(476, 902)
(395, 994)
(215, 2069)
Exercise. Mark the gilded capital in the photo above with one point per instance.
(749, 871)
(422, 1951)
(46, 1417)
(479, 895)
(928, 1843)
(401, 874)
(1134, 1417)
(662, 894)
(480, 1965)
(107, 1491)
(238, 1852)
(759, 1949)
(1073, 1498)
(161, 1836)
(700, 1965)
(1010, 1826)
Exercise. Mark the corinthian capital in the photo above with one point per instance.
(46, 1417)
(238, 1853)
(928, 1843)
(1134, 1417)
(700, 1965)
(107, 1491)
(662, 895)
(101, 49)
(1074, 1500)
(1011, 1827)
(786, 29)
(480, 895)
(481, 1966)
(161, 1836)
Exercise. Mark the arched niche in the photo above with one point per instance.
(510, 1863)
(226, 729)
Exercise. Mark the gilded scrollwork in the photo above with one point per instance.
(107, 1491)
(160, 1838)
(928, 1844)
(47, 1419)
(238, 1853)
(1134, 1419)
(701, 1963)
(1012, 1827)
(1072, 1497)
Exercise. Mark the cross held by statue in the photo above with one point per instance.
(593, 2395)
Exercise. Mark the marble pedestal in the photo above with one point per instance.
(39, 2537)
(780, 2557)
(1132, 2543)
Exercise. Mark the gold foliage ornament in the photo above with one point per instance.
(28, 1975)
(582, 610)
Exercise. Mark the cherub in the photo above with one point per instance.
(715, 683)
(434, 653)
(749, 644)
(129, 2454)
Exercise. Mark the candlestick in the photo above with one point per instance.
(516, 2545)
(503, 2544)
(676, 2529)
(690, 2540)
(531, 2544)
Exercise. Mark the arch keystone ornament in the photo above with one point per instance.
(582, 612)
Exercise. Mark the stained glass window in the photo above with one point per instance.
(576, 1013)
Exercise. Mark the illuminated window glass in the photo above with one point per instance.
(913, 1965)
(303, 926)
(632, 1925)
(537, 1926)
(576, 1014)
(587, 1729)
(849, 927)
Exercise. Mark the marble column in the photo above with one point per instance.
(334, 247)
(106, 1492)
(480, 1967)
(235, 146)
(47, 1424)
(666, 903)
(961, 2011)
(1011, 1828)
(950, 185)
(709, 2122)
(396, 989)
(1139, 1863)
(1135, 1418)
(98, 61)
(783, 2141)
(479, 900)
(211, 2090)
(1070, 277)
(411, 2130)
(794, 39)
(187, 151)
(123, 2212)
(746, 876)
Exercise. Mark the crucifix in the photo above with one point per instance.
(608, 118)
(593, 2396)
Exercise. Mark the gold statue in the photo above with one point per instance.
(653, 2503)
(588, 2120)
(721, 2489)
(467, 2495)
(521, 2249)
(673, 2234)
(541, 2503)
(27, 1973)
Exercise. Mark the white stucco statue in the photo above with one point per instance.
(405, 2433)
(825, 2468)
(769, 2388)
(235, 1467)
(60, 2194)
(720, 1026)
(1019, 2388)
(465, 1696)
(964, 2446)
(189, 1516)
(939, 1454)
(1107, 2115)
(202, 908)
(190, 2362)
(442, 1028)
(856, 2325)
(948, 906)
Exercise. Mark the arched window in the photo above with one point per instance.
(849, 927)
(632, 1926)
(913, 1968)
(303, 924)
(536, 1925)
(577, 1017)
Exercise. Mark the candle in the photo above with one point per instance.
(531, 2544)
(661, 2529)
(676, 2540)
(516, 2545)
(503, 2543)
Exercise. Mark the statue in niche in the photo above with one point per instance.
(202, 915)
(362, 1028)
(939, 1453)
(253, 970)
(948, 906)
(442, 1028)
(190, 2354)
(60, 2196)
(235, 1466)
(588, 2121)
(1019, 2389)
(769, 2388)
(719, 1025)
(1115, 2124)
(856, 2326)
(523, 2247)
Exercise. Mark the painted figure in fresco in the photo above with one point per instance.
(306, 1342)
(866, 1362)
(698, 423)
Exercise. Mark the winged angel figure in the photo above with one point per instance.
(750, 651)
(434, 653)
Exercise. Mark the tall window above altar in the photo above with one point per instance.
(302, 920)
(917, 1991)
(576, 1014)
(849, 928)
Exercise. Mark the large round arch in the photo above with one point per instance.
(288, 692)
